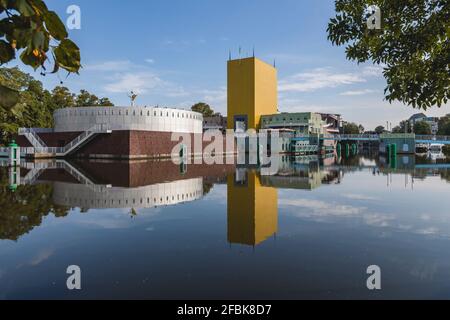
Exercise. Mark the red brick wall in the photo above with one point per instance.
(118, 144)
(113, 144)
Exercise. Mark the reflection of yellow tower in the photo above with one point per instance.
(252, 211)
(252, 93)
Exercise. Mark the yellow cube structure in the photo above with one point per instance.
(252, 93)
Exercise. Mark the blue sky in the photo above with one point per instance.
(174, 53)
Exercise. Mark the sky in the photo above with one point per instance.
(173, 53)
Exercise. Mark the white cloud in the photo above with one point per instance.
(151, 61)
(357, 92)
(428, 231)
(320, 78)
(360, 197)
(141, 82)
(321, 208)
(110, 66)
(41, 256)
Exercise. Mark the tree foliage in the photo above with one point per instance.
(352, 128)
(31, 30)
(203, 108)
(379, 129)
(444, 126)
(36, 105)
(403, 127)
(422, 127)
(413, 46)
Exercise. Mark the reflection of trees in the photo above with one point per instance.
(24, 209)
(207, 187)
(445, 174)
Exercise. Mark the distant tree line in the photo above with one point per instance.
(424, 128)
(36, 105)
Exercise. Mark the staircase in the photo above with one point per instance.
(33, 137)
(40, 146)
(83, 138)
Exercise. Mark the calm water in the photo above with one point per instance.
(151, 230)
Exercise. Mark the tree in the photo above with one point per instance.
(35, 105)
(351, 128)
(63, 98)
(105, 102)
(203, 108)
(29, 28)
(412, 44)
(86, 99)
(380, 129)
(403, 127)
(444, 126)
(422, 127)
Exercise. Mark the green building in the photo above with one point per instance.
(308, 123)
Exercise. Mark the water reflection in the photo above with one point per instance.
(252, 208)
(193, 227)
(53, 187)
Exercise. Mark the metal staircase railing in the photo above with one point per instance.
(39, 146)
(99, 128)
(33, 137)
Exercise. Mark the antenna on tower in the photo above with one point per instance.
(240, 51)
(253, 51)
(274, 63)
(229, 56)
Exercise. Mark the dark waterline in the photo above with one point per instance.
(307, 231)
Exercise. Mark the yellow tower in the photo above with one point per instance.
(252, 93)
(252, 210)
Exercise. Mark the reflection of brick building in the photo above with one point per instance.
(138, 184)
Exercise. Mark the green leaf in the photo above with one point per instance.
(39, 6)
(7, 53)
(38, 40)
(67, 56)
(55, 26)
(24, 8)
(30, 59)
(8, 97)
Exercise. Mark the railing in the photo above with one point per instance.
(40, 148)
(432, 138)
(99, 128)
(33, 137)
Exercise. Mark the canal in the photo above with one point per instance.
(155, 230)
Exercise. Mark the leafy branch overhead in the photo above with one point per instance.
(38, 35)
(413, 45)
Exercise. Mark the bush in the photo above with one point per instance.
(446, 150)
